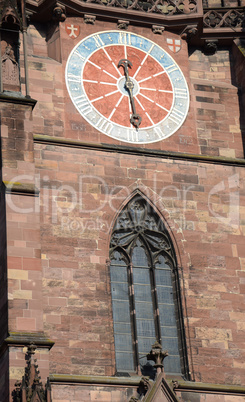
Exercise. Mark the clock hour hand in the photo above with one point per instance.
(135, 118)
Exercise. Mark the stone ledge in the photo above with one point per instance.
(123, 149)
(25, 338)
(188, 386)
(99, 380)
(17, 97)
(21, 188)
(21, 339)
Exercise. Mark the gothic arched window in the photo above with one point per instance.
(145, 291)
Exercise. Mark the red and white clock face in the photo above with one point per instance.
(104, 85)
(98, 85)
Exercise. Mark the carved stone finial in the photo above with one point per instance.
(158, 29)
(210, 46)
(89, 19)
(31, 388)
(31, 348)
(157, 355)
(59, 12)
(122, 24)
(188, 32)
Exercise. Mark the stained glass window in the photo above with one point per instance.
(145, 291)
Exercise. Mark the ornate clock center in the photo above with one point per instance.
(122, 87)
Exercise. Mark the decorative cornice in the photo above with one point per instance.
(123, 149)
(226, 17)
(224, 23)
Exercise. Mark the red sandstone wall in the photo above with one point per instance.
(206, 226)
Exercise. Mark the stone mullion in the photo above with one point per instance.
(133, 318)
(156, 307)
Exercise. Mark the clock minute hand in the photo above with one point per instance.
(135, 119)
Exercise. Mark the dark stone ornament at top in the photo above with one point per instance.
(9, 14)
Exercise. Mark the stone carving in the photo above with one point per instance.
(210, 46)
(10, 68)
(158, 29)
(122, 24)
(59, 12)
(89, 19)
(188, 32)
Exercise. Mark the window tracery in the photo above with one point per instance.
(145, 299)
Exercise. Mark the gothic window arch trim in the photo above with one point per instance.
(145, 289)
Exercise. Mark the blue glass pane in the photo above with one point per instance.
(141, 275)
(144, 310)
(119, 290)
(123, 342)
(145, 344)
(121, 311)
(118, 274)
(117, 259)
(172, 364)
(169, 331)
(125, 361)
(142, 293)
(162, 262)
(165, 294)
(139, 257)
(163, 277)
(171, 345)
(145, 328)
(167, 315)
(122, 328)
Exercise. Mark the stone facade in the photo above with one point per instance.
(65, 183)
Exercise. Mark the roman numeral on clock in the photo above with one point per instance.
(124, 38)
(181, 93)
(83, 104)
(176, 116)
(102, 124)
(73, 77)
(98, 41)
(79, 55)
(171, 69)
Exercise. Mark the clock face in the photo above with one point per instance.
(127, 87)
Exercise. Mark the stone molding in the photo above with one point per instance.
(45, 139)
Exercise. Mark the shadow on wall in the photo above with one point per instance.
(238, 79)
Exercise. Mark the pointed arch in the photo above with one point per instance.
(146, 301)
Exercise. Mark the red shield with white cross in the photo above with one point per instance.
(72, 30)
(174, 45)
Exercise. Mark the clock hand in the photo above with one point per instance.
(135, 118)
